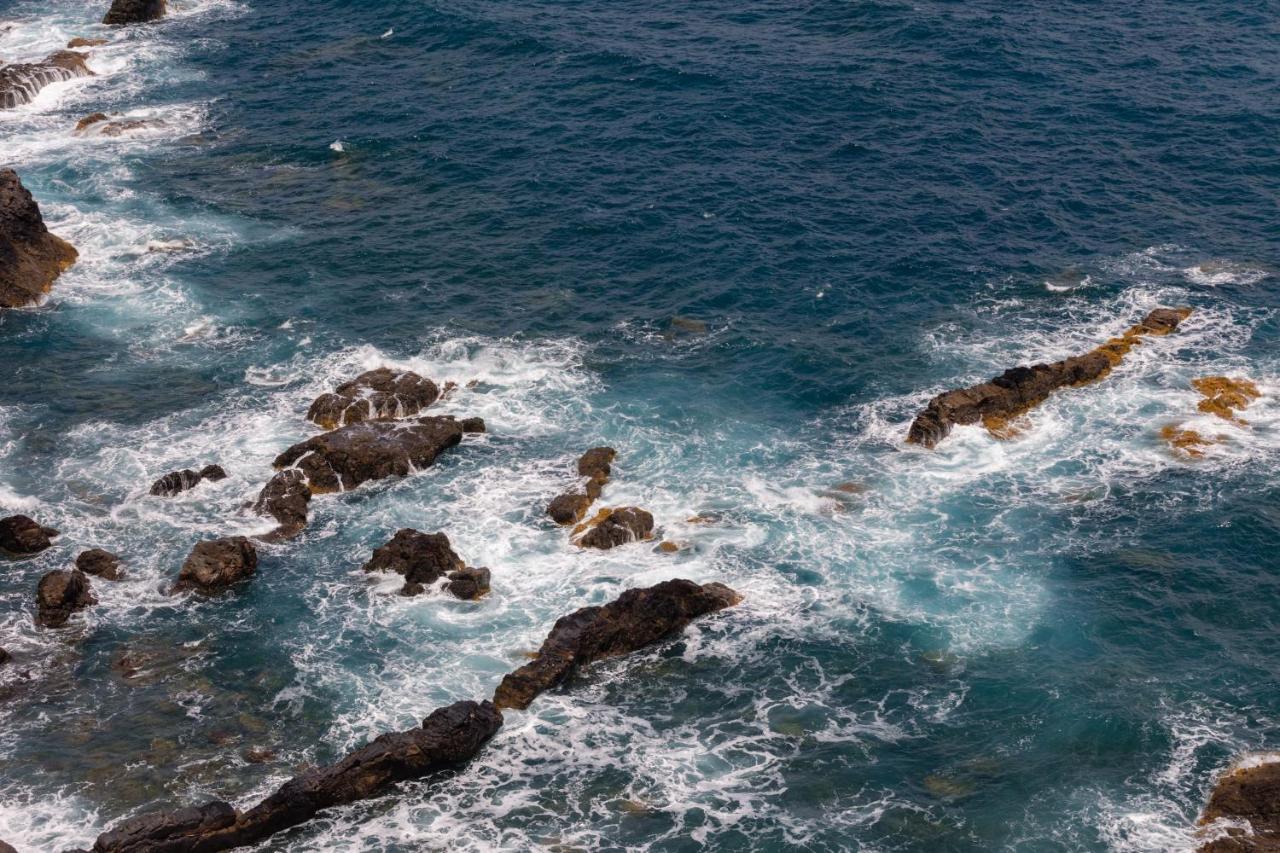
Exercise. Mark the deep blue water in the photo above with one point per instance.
(1054, 643)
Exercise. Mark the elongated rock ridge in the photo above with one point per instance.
(449, 737)
(134, 11)
(571, 507)
(1247, 801)
(637, 618)
(30, 257)
(22, 81)
(1019, 389)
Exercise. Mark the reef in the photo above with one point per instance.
(572, 506)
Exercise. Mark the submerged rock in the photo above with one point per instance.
(61, 593)
(99, 563)
(381, 394)
(1224, 395)
(637, 618)
(21, 535)
(1248, 795)
(81, 41)
(285, 498)
(422, 558)
(613, 527)
(348, 456)
(100, 124)
(1003, 399)
(176, 482)
(216, 564)
(447, 738)
(22, 81)
(1188, 442)
(134, 11)
(30, 257)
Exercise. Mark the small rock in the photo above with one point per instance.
(620, 526)
(381, 394)
(569, 508)
(423, 558)
(81, 41)
(20, 535)
(216, 564)
(99, 563)
(90, 119)
(61, 593)
(259, 755)
(469, 583)
(5, 657)
(285, 498)
(179, 481)
(134, 12)
(595, 463)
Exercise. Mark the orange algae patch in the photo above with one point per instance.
(1188, 441)
(1007, 428)
(1224, 395)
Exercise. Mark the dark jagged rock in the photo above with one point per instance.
(20, 82)
(422, 558)
(5, 657)
(637, 618)
(7, 848)
(61, 593)
(285, 498)
(176, 482)
(469, 583)
(134, 11)
(348, 456)
(571, 507)
(1019, 389)
(447, 738)
(99, 563)
(1250, 795)
(595, 463)
(81, 41)
(616, 527)
(568, 508)
(30, 257)
(216, 564)
(21, 535)
(381, 394)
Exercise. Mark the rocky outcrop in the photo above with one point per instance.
(216, 564)
(100, 124)
(285, 498)
(348, 456)
(134, 11)
(179, 481)
(81, 41)
(381, 394)
(1223, 395)
(425, 558)
(61, 593)
(99, 563)
(571, 507)
(613, 527)
(1019, 389)
(30, 257)
(446, 739)
(1248, 795)
(22, 81)
(637, 618)
(21, 535)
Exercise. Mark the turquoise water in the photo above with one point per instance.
(1049, 644)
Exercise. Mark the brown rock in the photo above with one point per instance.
(216, 564)
(30, 257)
(90, 119)
(1250, 795)
(1186, 441)
(60, 594)
(81, 41)
(175, 482)
(99, 563)
(423, 558)
(21, 81)
(1224, 395)
(259, 755)
(1019, 389)
(469, 583)
(348, 456)
(285, 498)
(569, 508)
(620, 526)
(20, 535)
(381, 394)
(638, 618)
(134, 12)
(595, 463)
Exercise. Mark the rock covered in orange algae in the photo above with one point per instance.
(1224, 395)
(1188, 441)
(1249, 795)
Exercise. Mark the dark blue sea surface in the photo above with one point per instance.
(743, 243)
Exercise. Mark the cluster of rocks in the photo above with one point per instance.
(1002, 400)
(1222, 396)
(423, 559)
(179, 481)
(62, 592)
(572, 506)
(448, 737)
(30, 257)
(609, 527)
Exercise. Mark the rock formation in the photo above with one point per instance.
(22, 81)
(1224, 395)
(81, 41)
(1246, 795)
(179, 481)
(134, 11)
(100, 124)
(1019, 389)
(285, 498)
(99, 563)
(30, 257)
(348, 456)
(381, 394)
(612, 527)
(634, 620)
(216, 564)
(571, 507)
(20, 535)
(425, 558)
(61, 593)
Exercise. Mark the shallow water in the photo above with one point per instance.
(1049, 644)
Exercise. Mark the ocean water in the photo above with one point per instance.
(1048, 644)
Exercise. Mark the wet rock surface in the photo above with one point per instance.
(285, 497)
(176, 482)
(637, 618)
(348, 456)
(19, 534)
(134, 11)
(216, 564)
(22, 81)
(469, 583)
(425, 558)
(30, 257)
(380, 394)
(1246, 795)
(81, 41)
(60, 594)
(100, 563)
(1019, 389)
(571, 507)
(613, 527)
(100, 124)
